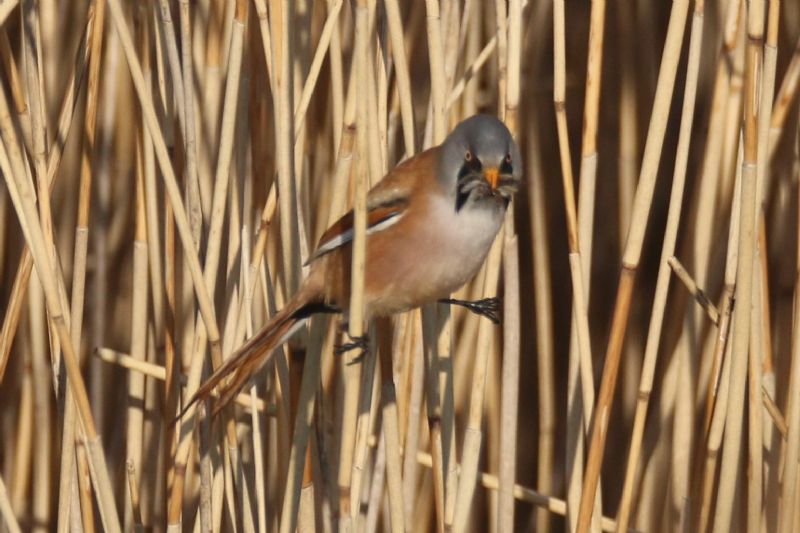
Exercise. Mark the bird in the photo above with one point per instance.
(430, 224)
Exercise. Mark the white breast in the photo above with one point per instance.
(464, 239)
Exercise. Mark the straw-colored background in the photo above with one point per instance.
(169, 165)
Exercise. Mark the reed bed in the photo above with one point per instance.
(168, 167)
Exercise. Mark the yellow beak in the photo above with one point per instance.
(492, 175)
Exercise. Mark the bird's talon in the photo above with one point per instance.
(356, 343)
(487, 307)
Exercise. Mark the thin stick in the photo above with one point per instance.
(509, 408)
(667, 261)
(744, 280)
(284, 138)
(139, 304)
(775, 413)
(631, 256)
(473, 435)
(510, 385)
(755, 497)
(11, 319)
(68, 471)
(403, 76)
(316, 65)
(792, 448)
(133, 490)
(165, 165)
(717, 394)
(434, 411)
(22, 198)
(352, 372)
(694, 291)
(302, 428)
(160, 373)
(580, 351)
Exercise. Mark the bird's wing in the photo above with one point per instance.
(387, 202)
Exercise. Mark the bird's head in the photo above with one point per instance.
(480, 160)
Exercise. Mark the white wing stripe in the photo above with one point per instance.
(347, 236)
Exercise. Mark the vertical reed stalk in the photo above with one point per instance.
(667, 251)
(744, 287)
(631, 256)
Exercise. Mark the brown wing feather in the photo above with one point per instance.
(388, 198)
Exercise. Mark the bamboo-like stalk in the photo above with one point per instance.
(391, 435)
(433, 406)
(411, 428)
(133, 490)
(473, 434)
(694, 291)
(510, 385)
(436, 319)
(667, 251)
(544, 328)
(319, 55)
(436, 59)
(509, 408)
(84, 486)
(68, 471)
(760, 297)
(402, 72)
(359, 480)
(580, 351)
(160, 373)
(792, 449)
(22, 198)
(724, 94)
(181, 221)
(449, 27)
(40, 452)
(284, 137)
(352, 372)
(717, 394)
(302, 428)
(775, 413)
(525, 494)
(784, 99)
(139, 304)
(744, 278)
(19, 287)
(631, 256)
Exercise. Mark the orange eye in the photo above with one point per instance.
(468, 156)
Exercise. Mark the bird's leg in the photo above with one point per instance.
(488, 307)
(355, 343)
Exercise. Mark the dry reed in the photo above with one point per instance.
(245, 130)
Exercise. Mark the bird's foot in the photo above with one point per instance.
(360, 342)
(488, 307)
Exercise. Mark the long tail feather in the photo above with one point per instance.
(254, 354)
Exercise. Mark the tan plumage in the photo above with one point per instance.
(430, 223)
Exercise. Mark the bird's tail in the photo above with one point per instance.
(229, 378)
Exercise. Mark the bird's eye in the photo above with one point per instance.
(468, 156)
(508, 158)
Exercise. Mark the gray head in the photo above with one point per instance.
(480, 160)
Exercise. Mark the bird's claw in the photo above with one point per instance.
(360, 342)
(487, 307)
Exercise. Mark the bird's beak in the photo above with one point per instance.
(492, 175)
